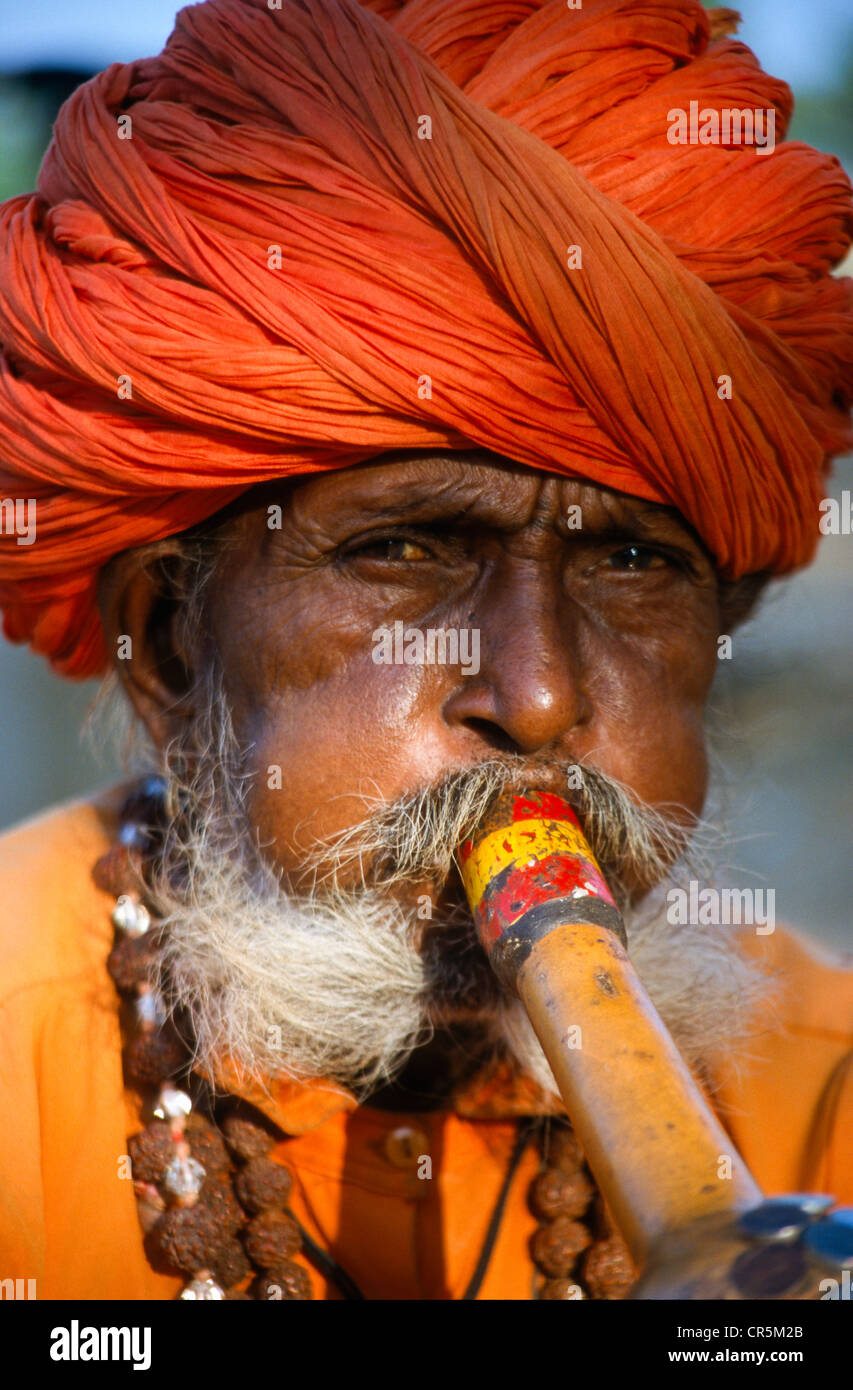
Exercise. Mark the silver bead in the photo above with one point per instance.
(172, 1104)
(184, 1177)
(130, 915)
(150, 1009)
(203, 1289)
(134, 837)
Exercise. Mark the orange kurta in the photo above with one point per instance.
(67, 1210)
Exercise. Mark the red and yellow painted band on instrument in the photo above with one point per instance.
(552, 932)
(528, 868)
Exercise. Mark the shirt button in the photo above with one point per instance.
(404, 1146)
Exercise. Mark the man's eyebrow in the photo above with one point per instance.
(638, 515)
(646, 519)
(409, 498)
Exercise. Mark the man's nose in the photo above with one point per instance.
(530, 688)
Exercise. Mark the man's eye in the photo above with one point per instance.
(637, 557)
(388, 548)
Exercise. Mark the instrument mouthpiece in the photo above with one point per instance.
(527, 869)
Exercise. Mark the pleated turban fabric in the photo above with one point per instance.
(332, 229)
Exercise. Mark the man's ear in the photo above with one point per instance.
(140, 611)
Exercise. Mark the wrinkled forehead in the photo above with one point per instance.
(475, 486)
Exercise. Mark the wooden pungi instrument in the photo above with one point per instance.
(690, 1212)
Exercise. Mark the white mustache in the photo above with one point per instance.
(416, 837)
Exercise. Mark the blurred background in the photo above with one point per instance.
(783, 703)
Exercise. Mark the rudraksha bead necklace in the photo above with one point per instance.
(213, 1204)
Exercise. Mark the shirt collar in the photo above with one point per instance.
(298, 1107)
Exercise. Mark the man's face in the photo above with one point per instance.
(596, 642)
(597, 617)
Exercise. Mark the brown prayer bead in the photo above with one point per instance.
(245, 1139)
(555, 1247)
(271, 1238)
(189, 1237)
(206, 1145)
(118, 871)
(555, 1193)
(608, 1269)
(218, 1197)
(288, 1281)
(155, 1057)
(130, 960)
(151, 1151)
(230, 1265)
(263, 1184)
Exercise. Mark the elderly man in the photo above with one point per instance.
(406, 415)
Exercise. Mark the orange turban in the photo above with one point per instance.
(330, 229)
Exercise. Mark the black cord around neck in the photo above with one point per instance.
(524, 1132)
